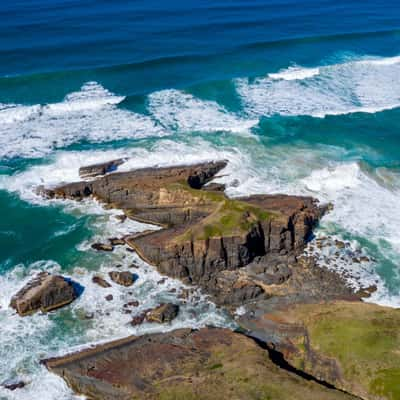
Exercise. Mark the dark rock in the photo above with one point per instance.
(134, 303)
(163, 313)
(102, 247)
(100, 281)
(214, 187)
(99, 169)
(13, 384)
(109, 297)
(116, 241)
(124, 278)
(138, 319)
(45, 292)
(122, 217)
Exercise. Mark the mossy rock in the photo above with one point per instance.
(228, 217)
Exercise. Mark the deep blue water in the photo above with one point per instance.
(300, 96)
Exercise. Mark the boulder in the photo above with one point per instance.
(93, 170)
(109, 297)
(45, 292)
(163, 313)
(124, 278)
(184, 364)
(116, 241)
(102, 247)
(100, 281)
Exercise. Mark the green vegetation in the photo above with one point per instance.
(245, 373)
(363, 338)
(228, 217)
(387, 384)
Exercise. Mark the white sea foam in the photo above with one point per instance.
(294, 73)
(90, 114)
(368, 85)
(182, 111)
(381, 60)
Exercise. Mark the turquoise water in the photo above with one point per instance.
(299, 98)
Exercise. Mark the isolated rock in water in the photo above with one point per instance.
(12, 384)
(124, 278)
(163, 313)
(100, 281)
(109, 297)
(116, 241)
(102, 247)
(208, 364)
(99, 169)
(354, 346)
(45, 292)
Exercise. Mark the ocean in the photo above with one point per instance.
(299, 97)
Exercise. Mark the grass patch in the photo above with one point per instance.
(215, 366)
(364, 338)
(387, 384)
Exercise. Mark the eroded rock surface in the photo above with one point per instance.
(93, 170)
(208, 239)
(45, 292)
(163, 313)
(124, 278)
(184, 364)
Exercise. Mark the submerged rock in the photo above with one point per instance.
(45, 292)
(124, 278)
(184, 364)
(163, 313)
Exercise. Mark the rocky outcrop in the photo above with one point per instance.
(246, 252)
(93, 170)
(353, 346)
(124, 278)
(45, 292)
(102, 247)
(184, 364)
(208, 239)
(163, 313)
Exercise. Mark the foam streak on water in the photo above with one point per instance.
(361, 85)
(90, 114)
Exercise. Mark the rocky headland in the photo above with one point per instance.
(304, 332)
